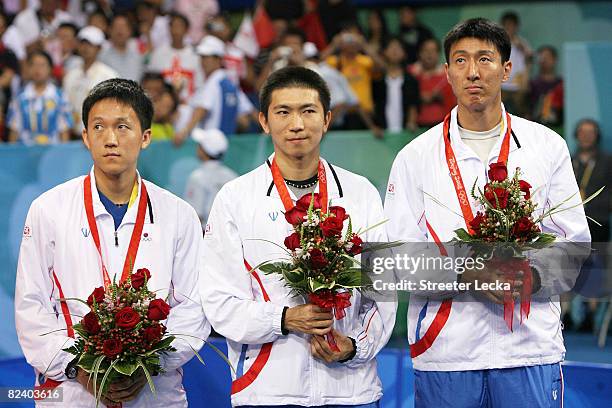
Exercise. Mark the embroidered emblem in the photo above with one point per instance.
(85, 232)
(273, 215)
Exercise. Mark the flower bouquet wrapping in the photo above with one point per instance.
(122, 333)
(322, 266)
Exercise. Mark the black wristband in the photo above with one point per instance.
(353, 353)
(283, 330)
(72, 369)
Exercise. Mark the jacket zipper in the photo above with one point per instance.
(116, 239)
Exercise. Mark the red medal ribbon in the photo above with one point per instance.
(283, 192)
(130, 257)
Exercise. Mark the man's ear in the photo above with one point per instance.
(446, 71)
(85, 138)
(327, 120)
(146, 139)
(264, 122)
(507, 70)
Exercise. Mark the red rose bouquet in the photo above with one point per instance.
(122, 332)
(322, 265)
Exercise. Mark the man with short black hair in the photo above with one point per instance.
(463, 352)
(80, 234)
(276, 341)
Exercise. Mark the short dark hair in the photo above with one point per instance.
(125, 91)
(40, 53)
(172, 15)
(481, 29)
(293, 77)
(70, 26)
(510, 16)
(169, 89)
(294, 31)
(589, 121)
(550, 49)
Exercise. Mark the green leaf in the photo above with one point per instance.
(463, 235)
(275, 267)
(87, 361)
(125, 368)
(149, 379)
(104, 380)
(316, 285)
(164, 343)
(94, 372)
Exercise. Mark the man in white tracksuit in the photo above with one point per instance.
(60, 259)
(276, 341)
(462, 350)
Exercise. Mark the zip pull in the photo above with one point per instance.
(116, 239)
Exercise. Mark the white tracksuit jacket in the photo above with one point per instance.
(246, 211)
(475, 335)
(57, 241)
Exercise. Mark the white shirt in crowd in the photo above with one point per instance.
(394, 107)
(178, 65)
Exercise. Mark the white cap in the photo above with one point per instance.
(212, 141)
(92, 34)
(211, 45)
(310, 50)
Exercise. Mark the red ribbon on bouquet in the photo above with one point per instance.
(331, 300)
(510, 268)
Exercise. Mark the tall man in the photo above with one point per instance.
(276, 341)
(80, 235)
(462, 350)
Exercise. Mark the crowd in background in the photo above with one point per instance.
(203, 71)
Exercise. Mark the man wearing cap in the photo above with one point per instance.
(205, 182)
(218, 104)
(81, 79)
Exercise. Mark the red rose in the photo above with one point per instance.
(127, 318)
(522, 228)
(525, 186)
(112, 347)
(139, 278)
(153, 334)
(477, 222)
(97, 294)
(293, 241)
(339, 212)
(502, 197)
(332, 226)
(356, 248)
(295, 216)
(158, 310)
(90, 323)
(498, 172)
(304, 202)
(317, 259)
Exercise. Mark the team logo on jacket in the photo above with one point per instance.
(85, 232)
(391, 189)
(273, 215)
(27, 232)
(146, 237)
(208, 229)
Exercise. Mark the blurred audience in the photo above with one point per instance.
(412, 32)
(514, 90)
(36, 26)
(436, 94)
(377, 31)
(9, 71)
(40, 114)
(546, 89)
(121, 53)
(165, 108)
(80, 80)
(396, 95)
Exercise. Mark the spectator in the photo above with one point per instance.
(121, 54)
(197, 11)
(9, 70)
(235, 62)
(514, 90)
(37, 25)
(342, 97)
(40, 114)
(218, 104)
(412, 32)
(396, 95)
(436, 94)
(63, 49)
(355, 59)
(98, 18)
(11, 38)
(378, 33)
(177, 61)
(165, 107)
(152, 26)
(153, 84)
(546, 89)
(288, 51)
(80, 80)
(205, 182)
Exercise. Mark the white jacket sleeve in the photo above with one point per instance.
(186, 319)
(225, 288)
(37, 310)
(376, 316)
